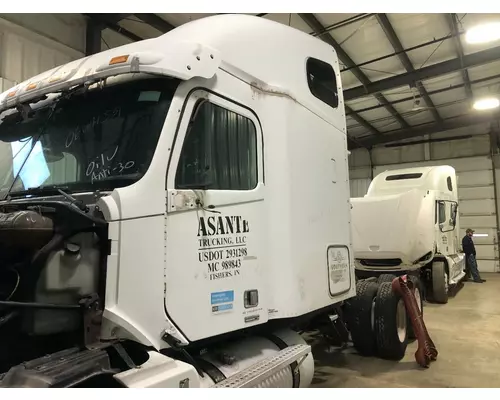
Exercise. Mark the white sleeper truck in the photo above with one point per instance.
(174, 211)
(169, 204)
(408, 223)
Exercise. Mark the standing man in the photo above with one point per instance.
(470, 256)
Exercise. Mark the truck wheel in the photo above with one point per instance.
(360, 318)
(385, 278)
(439, 282)
(391, 323)
(417, 284)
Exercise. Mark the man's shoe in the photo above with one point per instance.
(484, 280)
(479, 281)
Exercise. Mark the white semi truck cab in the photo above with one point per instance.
(173, 210)
(408, 222)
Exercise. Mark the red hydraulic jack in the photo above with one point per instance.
(426, 351)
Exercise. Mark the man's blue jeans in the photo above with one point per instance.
(471, 260)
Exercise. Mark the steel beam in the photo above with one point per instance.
(452, 21)
(360, 120)
(109, 24)
(406, 50)
(156, 22)
(318, 28)
(343, 23)
(93, 37)
(432, 71)
(112, 18)
(437, 91)
(428, 129)
(405, 60)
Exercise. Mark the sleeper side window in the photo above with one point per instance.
(322, 82)
(219, 151)
(450, 185)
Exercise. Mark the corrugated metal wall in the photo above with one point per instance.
(359, 187)
(31, 44)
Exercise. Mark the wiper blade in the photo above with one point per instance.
(51, 191)
(40, 190)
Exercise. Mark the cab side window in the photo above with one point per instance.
(441, 212)
(219, 152)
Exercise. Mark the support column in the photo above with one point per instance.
(93, 37)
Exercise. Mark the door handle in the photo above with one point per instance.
(334, 175)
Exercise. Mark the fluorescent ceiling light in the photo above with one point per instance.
(483, 33)
(481, 235)
(486, 103)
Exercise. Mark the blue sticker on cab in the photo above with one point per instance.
(222, 297)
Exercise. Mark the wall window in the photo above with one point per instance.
(450, 185)
(322, 82)
(219, 152)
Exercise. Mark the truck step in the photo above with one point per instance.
(262, 370)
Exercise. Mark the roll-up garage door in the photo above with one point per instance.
(476, 196)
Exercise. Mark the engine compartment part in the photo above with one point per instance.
(51, 261)
(25, 229)
(66, 278)
(66, 368)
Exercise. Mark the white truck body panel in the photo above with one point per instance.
(294, 225)
(396, 227)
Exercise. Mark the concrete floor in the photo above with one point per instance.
(466, 332)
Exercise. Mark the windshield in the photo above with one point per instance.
(98, 140)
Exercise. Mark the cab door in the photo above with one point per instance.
(446, 226)
(215, 224)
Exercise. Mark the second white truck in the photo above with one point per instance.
(408, 223)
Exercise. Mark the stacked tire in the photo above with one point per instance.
(377, 318)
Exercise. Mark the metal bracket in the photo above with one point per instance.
(184, 383)
(299, 363)
(135, 64)
(92, 320)
(124, 355)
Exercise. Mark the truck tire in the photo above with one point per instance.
(439, 282)
(391, 323)
(359, 318)
(385, 278)
(417, 284)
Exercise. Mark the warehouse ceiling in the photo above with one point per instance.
(404, 75)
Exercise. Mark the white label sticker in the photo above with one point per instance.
(338, 269)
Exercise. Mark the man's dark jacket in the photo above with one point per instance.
(468, 245)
